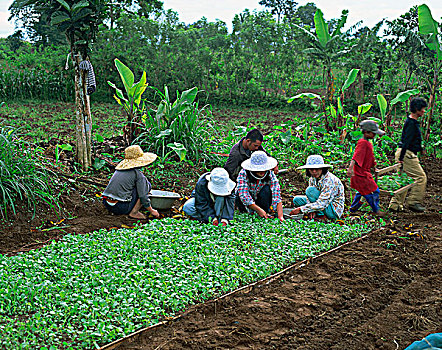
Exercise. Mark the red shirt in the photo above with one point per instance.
(363, 181)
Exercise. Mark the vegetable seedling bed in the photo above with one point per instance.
(87, 290)
(387, 192)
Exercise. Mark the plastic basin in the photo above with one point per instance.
(286, 212)
(163, 199)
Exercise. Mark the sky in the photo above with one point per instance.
(369, 11)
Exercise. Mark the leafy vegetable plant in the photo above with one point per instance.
(87, 290)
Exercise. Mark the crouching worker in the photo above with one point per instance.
(257, 186)
(212, 199)
(360, 168)
(325, 194)
(128, 188)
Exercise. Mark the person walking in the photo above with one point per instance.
(406, 154)
(361, 165)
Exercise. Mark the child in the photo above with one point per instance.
(360, 169)
(406, 154)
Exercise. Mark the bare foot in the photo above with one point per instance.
(137, 215)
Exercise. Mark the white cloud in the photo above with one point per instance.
(369, 11)
(225, 10)
(6, 28)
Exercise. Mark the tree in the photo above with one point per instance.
(280, 8)
(305, 14)
(78, 20)
(15, 41)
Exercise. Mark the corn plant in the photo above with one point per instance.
(181, 121)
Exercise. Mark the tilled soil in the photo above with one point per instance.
(381, 292)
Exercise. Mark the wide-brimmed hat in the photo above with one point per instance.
(315, 162)
(370, 125)
(259, 161)
(134, 157)
(219, 182)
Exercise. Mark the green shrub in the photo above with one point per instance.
(20, 177)
(179, 122)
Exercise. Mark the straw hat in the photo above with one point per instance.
(259, 161)
(135, 158)
(219, 182)
(314, 162)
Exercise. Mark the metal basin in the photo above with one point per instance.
(286, 212)
(163, 199)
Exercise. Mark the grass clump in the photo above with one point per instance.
(87, 290)
(21, 180)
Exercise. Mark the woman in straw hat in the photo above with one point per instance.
(128, 188)
(325, 194)
(212, 199)
(257, 186)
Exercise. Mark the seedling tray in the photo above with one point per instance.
(386, 170)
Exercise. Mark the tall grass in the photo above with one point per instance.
(34, 83)
(22, 181)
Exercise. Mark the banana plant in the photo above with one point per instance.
(383, 104)
(166, 111)
(79, 21)
(323, 46)
(132, 104)
(429, 28)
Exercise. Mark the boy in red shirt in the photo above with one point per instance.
(360, 169)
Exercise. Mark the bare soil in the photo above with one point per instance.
(382, 292)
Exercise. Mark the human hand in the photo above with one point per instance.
(350, 172)
(295, 211)
(154, 213)
(311, 215)
(276, 170)
(262, 213)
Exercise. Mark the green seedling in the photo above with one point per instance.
(93, 288)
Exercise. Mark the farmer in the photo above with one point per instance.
(128, 188)
(242, 151)
(360, 169)
(325, 194)
(258, 188)
(406, 154)
(212, 199)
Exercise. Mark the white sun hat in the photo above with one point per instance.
(315, 162)
(219, 182)
(259, 161)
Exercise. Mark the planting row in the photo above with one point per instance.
(87, 290)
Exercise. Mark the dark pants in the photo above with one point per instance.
(122, 208)
(372, 199)
(263, 200)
